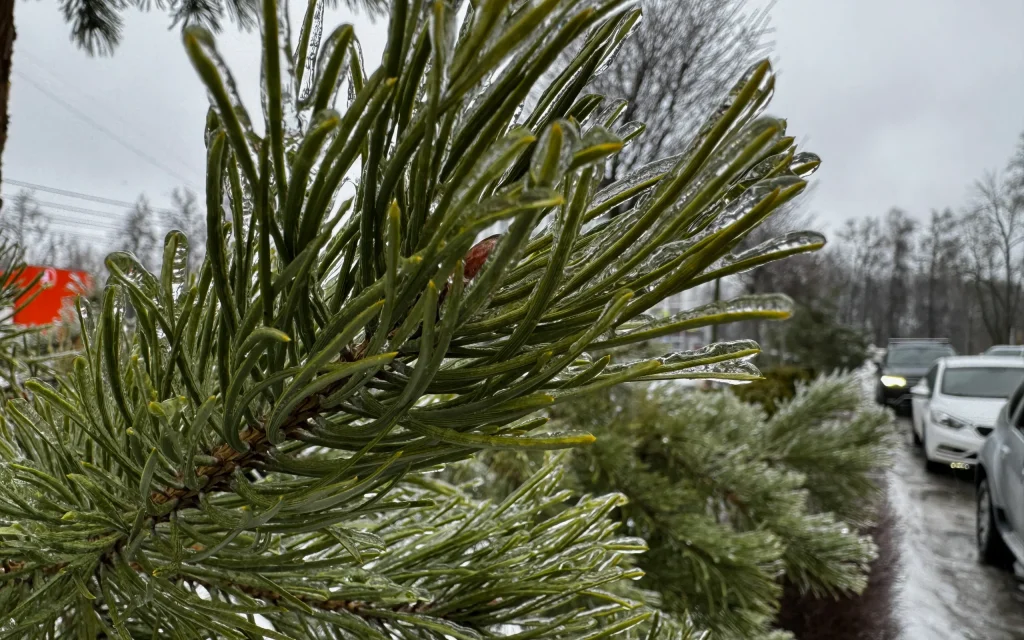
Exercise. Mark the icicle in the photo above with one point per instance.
(308, 58)
(284, 51)
(206, 44)
(732, 372)
(338, 43)
(645, 174)
(763, 93)
(743, 205)
(770, 305)
(789, 243)
(134, 272)
(635, 19)
(179, 263)
(718, 351)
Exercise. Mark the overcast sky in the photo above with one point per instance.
(907, 102)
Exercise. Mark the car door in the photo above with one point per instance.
(1011, 470)
(920, 399)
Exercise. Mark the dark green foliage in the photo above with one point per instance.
(241, 451)
(873, 614)
(815, 339)
(96, 24)
(778, 386)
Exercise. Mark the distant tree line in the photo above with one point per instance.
(957, 274)
(140, 230)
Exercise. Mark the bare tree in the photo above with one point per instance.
(899, 231)
(1015, 175)
(684, 57)
(73, 254)
(995, 228)
(25, 223)
(940, 268)
(139, 234)
(862, 257)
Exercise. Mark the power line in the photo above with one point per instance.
(110, 110)
(91, 227)
(113, 226)
(79, 195)
(99, 127)
(109, 215)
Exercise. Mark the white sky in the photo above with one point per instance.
(907, 102)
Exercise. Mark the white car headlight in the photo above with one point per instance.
(946, 420)
(894, 381)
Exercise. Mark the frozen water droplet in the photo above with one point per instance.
(804, 164)
(350, 96)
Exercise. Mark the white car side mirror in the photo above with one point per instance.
(921, 389)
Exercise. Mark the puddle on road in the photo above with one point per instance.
(946, 593)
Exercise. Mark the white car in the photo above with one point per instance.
(1012, 351)
(956, 404)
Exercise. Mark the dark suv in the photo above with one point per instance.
(905, 363)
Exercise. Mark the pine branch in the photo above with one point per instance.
(261, 427)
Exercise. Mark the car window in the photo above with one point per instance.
(932, 374)
(1011, 406)
(917, 356)
(1005, 351)
(981, 382)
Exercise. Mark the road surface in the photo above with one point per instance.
(947, 594)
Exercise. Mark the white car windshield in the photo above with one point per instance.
(918, 357)
(981, 382)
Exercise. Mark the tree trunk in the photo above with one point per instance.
(7, 36)
(931, 297)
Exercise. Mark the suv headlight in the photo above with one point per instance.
(946, 420)
(894, 381)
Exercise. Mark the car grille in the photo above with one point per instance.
(983, 431)
(911, 381)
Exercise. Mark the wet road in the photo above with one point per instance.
(947, 594)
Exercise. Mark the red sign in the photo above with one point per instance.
(55, 287)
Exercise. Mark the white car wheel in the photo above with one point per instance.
(991, 548)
